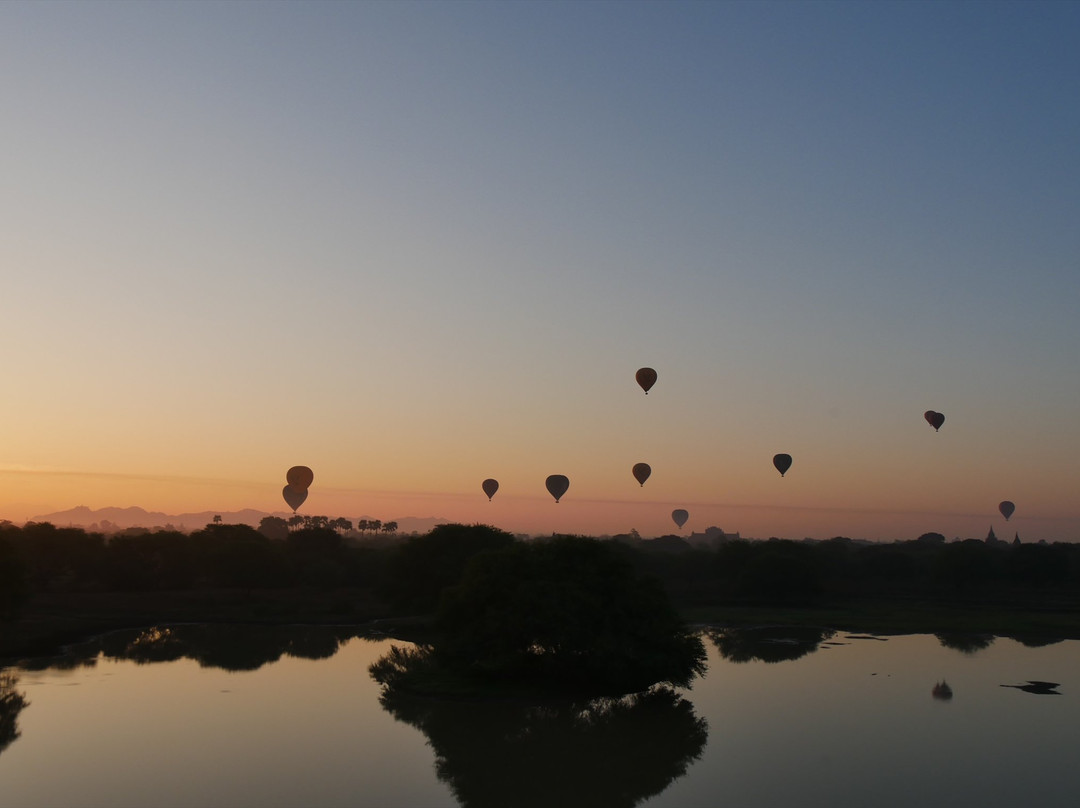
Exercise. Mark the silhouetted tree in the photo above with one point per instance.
(425, 565)
(13, 590)
(390, 528)
(274, 527)
(570, 613)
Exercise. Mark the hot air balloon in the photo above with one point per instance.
(782, 463)
(641, 472)
(299, 477)
(935, 419)
(490, 487)
(294, 496)
(1006, 509)
(680, 516)
(646, 377)
(557, 485)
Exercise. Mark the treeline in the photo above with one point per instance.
(410, 574)
(785, 572)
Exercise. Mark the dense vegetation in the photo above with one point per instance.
(567, 614)
(411, 575)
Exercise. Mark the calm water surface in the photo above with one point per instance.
(230, 716)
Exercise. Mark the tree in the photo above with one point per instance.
(274, 527)
(12, 580)
(568, 613)
(341, 525)
(390, 528)
(426, 565)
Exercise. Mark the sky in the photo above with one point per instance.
(417, 245)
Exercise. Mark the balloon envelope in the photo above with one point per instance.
(782, 463)
(935, 419)
(299, 477)
(646, 377)
(680, 516)
(557, 485)
(641, 472)
(294, 496)
(490, 487)
(1006, 509)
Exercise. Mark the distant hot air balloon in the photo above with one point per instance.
(646, 377)
(557, 485)
(1006, 509)
(782, 463)
(299, 477)
(935, 419)
(294, 496)
(680, 516)
(490, 487)
(641, 472)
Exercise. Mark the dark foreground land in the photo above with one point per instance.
(60, 585)
(51, 621)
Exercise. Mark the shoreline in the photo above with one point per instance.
(50, 621)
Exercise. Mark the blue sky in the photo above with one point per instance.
(414, 245)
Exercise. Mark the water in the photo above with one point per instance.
(223, 716)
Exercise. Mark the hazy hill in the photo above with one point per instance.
(120, 518)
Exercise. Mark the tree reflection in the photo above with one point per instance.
(12, 703)
(767, 643)
(229, 647)
(602, 752)
(966, 643)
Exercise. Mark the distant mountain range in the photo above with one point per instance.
(110, 519)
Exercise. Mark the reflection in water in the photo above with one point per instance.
(966, 643)
(230, 647)
(603, 752)
(942, 691)
(1039, 688)
(12, 703)
(767, 643)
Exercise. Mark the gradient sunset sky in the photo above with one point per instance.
(415, 245)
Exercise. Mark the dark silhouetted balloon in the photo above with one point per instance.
(679, 516)
(641, 472)
(294, 496)
(1006, 509)
(557, 485)
(935, 419)
(299, 477)
(782, 463)
(490, 487)
(646, 377)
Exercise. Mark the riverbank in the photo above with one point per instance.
(49, 621)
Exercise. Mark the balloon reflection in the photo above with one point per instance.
(602, 752)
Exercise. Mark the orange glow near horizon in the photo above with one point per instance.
(581, 511)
